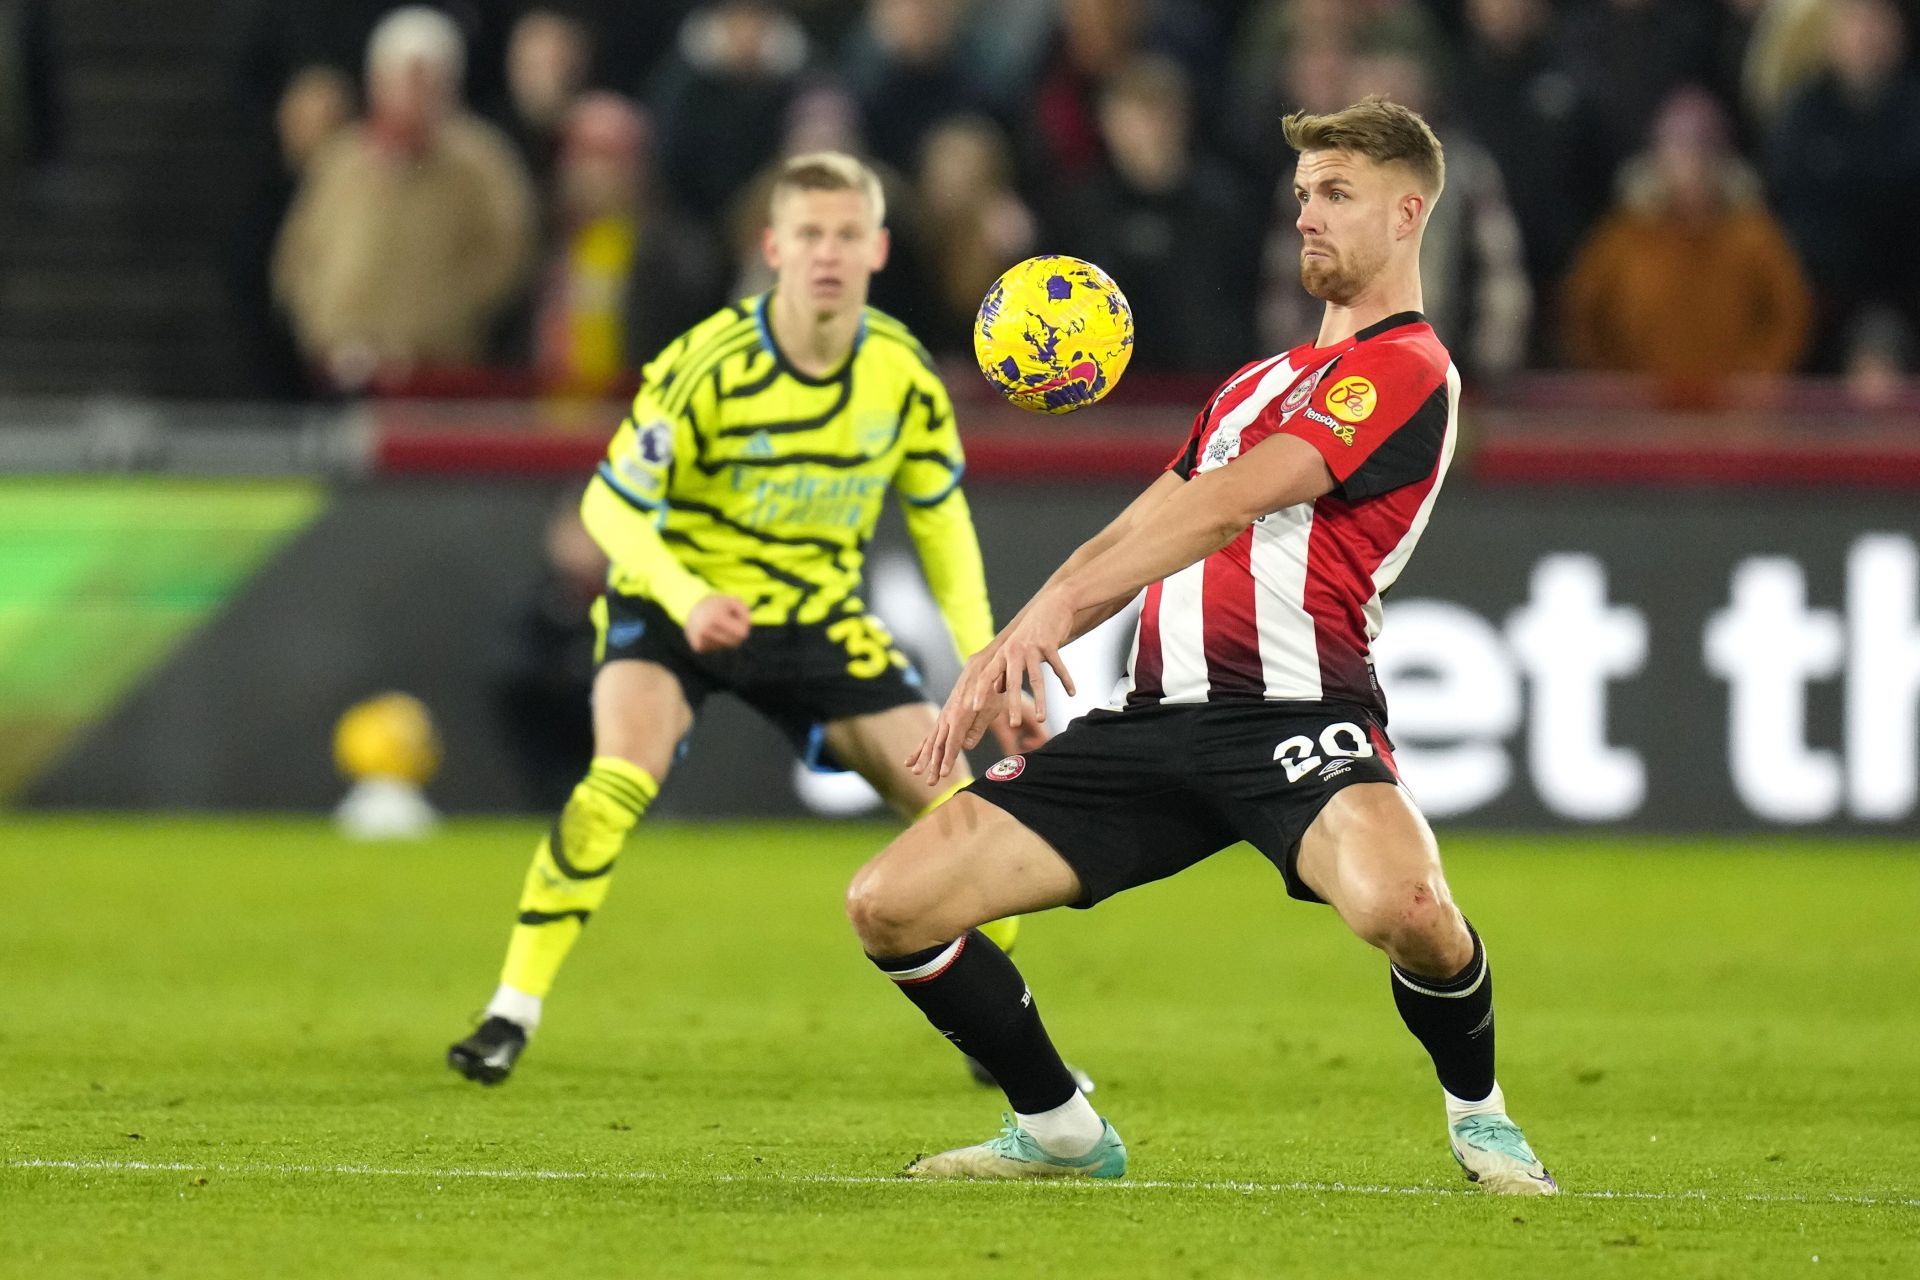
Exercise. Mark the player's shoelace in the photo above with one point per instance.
(1013, 1142)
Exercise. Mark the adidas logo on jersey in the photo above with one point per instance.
(761, 446)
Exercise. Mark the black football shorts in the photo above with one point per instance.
(1130, 797)
(800, 676)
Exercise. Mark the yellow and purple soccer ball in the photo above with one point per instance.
(1054, 334)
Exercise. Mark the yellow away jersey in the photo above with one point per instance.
(767, 483)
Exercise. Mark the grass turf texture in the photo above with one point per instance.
(1719, 1035)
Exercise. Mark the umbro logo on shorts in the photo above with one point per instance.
(1007, 769)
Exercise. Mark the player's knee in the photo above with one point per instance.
(878, 912)
(1402, 916)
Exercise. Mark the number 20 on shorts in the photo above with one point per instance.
(1345, 739)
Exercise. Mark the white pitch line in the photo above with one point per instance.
(855, 1180)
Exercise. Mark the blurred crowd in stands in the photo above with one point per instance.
(27, 100)
(1692, 189)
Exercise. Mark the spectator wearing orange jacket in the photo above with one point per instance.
(1689, 278)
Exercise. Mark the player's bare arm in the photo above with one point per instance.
(971, 730)
(1189, 521)
(1141, 508)
(1201, 517)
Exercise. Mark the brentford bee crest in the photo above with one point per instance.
(1008, 769)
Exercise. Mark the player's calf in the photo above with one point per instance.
(973, 995)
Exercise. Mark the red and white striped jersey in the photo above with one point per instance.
(1288, 610)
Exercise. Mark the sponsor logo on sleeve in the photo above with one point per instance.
(1340, 429)
(1352, 399)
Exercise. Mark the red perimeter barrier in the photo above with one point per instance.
(1550, 430)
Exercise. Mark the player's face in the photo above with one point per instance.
(1347, 207)
(824, 248)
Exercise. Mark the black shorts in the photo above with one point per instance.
(800, 676)
(1130, 797)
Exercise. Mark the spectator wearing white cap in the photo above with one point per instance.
(411, 231)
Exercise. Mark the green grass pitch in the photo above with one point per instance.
(220, 1055)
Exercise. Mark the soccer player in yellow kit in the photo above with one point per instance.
(735, 504)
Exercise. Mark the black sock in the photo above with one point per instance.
(1453, 1018)
(973, 995)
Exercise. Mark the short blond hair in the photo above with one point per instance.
(830, 171)
(1382, 131)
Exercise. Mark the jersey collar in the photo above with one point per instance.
(761, 307)
(1393, 321)
(1374, 330)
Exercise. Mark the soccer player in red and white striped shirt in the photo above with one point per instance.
(1250, 709)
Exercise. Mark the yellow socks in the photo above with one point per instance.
(568, 881)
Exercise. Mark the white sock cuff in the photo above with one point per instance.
(1458, 1109)
(515, 1005)
(1071, 1129)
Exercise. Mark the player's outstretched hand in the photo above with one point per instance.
(717, 622)
(1034, 643)
(959, 725)
(1025, 736)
